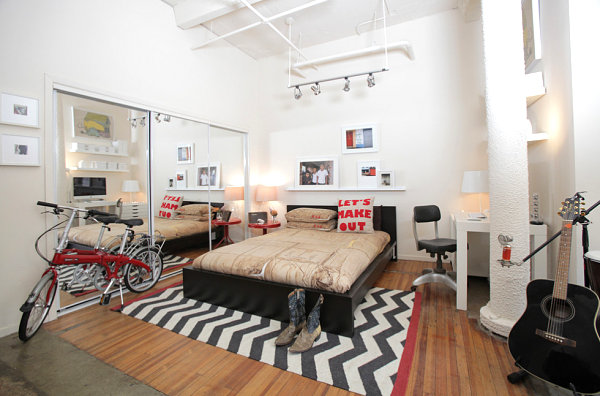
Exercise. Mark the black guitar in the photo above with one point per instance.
(556, 339)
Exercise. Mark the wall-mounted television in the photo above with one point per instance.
(89, 187)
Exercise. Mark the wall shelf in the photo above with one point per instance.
(194, 189)
(99, 170)
(350, 189)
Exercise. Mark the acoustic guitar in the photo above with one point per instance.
(556, 338)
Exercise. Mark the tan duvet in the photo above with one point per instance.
(309, 258)
(167, 228)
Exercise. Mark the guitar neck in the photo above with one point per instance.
(564, 258)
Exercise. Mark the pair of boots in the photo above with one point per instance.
(309, 329)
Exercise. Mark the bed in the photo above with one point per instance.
(178, 234)
(268, 298)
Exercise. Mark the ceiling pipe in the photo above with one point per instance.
(263, 21)
(401, 45)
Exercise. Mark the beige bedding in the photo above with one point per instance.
(165, 228)
(308, 258)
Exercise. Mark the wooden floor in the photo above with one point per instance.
(453, 355)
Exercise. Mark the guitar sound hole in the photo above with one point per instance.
(558, 309)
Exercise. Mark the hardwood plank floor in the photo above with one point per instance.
(453, 356)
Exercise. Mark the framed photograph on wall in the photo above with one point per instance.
(20, 150)
(386, 179)
(360, 139)
(368, 174)
(19, 110)
(209, 175)
(90, 124)
(317, 173)
(181, 179)
(532, 42)
(185, 154)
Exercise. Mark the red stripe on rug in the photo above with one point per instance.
(409, 349)
(178, 266)
(117, 307)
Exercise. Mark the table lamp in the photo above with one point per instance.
(234, 193)
(130, 186)
(265, 194)
(476, 182)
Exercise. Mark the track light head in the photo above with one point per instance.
(371, 80)
(316, 89)
(346, 85)
(143, 121)
(157, 118)
(297, 93)
(167, 118)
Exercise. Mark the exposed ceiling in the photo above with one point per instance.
(327, 21)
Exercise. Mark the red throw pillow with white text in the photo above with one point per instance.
(355, 215)
(168, 205)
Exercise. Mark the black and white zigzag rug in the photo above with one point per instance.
(375, 359)
(65, 275)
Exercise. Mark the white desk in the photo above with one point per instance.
(460, 228)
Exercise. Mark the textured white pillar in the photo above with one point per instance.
(507, 160)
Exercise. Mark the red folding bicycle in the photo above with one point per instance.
(137, 263)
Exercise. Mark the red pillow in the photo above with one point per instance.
(355, 215)
(169, 204)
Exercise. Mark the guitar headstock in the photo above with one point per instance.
(572, 207)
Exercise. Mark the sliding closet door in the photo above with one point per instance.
(101, 163)
(227, 156)
(179, 170)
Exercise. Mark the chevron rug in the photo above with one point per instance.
(375, 361)
(170, 263)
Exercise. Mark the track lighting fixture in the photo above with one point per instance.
(157, 118)
(133, 122)
(346, 84)
(143, 122)
(316, 88)
(371, 80)
(166, 118)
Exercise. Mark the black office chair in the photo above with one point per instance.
(435, 247)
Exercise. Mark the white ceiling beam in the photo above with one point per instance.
(190, 13)
(263, 21)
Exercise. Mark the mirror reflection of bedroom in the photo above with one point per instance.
(102, 164)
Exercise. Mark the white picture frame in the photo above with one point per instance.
(185, 153)
(208, 175)
(368, 174)
(90, 124)
(19, 110)
(386, 179)
(362, 138)
(181, 179)
(17, 150)
(310, 171)
(532, 42)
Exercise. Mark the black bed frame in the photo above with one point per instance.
(269, 299)
(172, 246)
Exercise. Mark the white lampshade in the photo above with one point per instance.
(234, 193)
(475, 182)
(266, 193)
(130, 186)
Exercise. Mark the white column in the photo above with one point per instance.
(507, 160)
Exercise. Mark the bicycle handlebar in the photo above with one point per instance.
(90, 212)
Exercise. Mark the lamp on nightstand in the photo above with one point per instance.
(266, 194)
(476, 182)
(130, 186)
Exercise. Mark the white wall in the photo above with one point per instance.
(430, 113)
(128, 49)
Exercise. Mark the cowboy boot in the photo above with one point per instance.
(297, 318)
(311, 331)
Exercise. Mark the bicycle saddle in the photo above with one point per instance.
(106, 219)
(130, 222)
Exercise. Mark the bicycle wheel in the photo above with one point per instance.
(32, 320)
(137, 279)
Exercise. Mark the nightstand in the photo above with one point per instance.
(134, 210)
(225, 224)
(264, 226)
